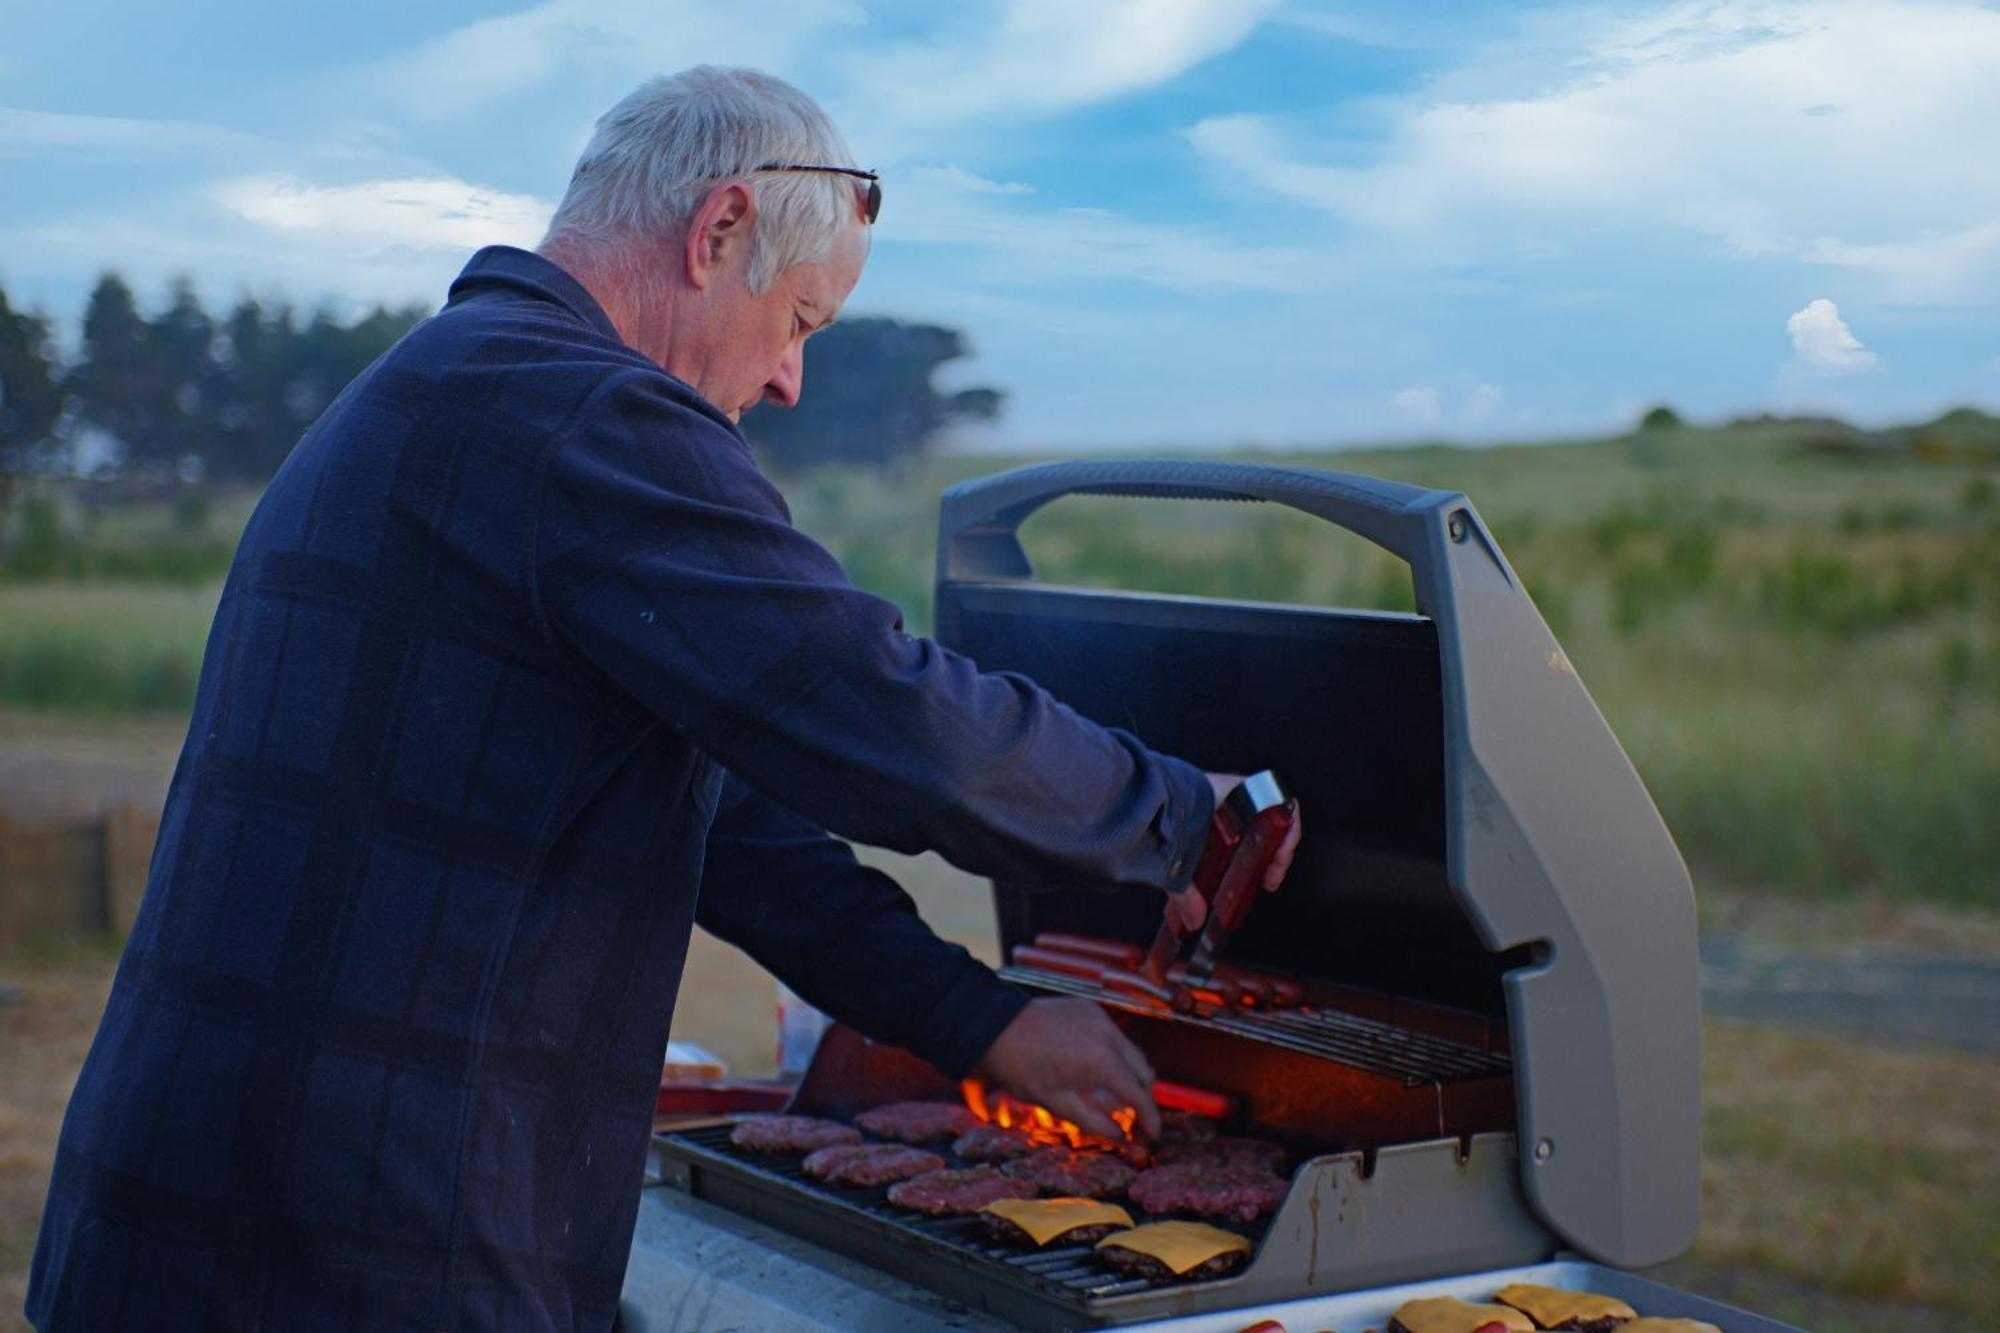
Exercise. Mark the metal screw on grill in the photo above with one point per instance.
(1457, 526)
(1544, 1149)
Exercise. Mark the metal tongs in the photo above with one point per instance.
(1248, 827)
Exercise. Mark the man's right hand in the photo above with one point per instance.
(1190, 909)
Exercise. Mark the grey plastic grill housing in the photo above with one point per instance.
(1551, 845)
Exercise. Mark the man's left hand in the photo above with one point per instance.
(1065, 1054)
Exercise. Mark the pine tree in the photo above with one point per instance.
(869, 397)
(30, 398)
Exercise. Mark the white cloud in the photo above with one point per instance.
(1013, 241)
(1051, 55)
(1482, 404)
(435, 213)
(1857, 132)
(1825, 343)
(1940, 269)
(25, 133)
(1426, 404)
(1418, 403)
(956, 177)
(495, 58)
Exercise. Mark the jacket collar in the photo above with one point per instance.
(526, 271)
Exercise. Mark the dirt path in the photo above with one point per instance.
(1886, 995)
(56, 767)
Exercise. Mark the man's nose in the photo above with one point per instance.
(789, 380)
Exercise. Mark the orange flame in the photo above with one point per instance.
(1038, 1122)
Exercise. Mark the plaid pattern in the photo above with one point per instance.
(382, 1050)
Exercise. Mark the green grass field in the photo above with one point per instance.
(1800, 650)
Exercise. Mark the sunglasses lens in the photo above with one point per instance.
(874, 205)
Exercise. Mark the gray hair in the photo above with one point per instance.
(657, 154)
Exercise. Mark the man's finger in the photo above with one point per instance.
(1281, 863)
(1087, 1117)
(1189, 908)
(1125, 1089)
(1135, 1060)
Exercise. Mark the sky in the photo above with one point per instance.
(1163, 224)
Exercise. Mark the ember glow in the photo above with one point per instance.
(1038, 1122)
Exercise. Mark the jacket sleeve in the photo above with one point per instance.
(845, 936)
(666, 563)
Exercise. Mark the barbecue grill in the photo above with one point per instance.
(1496, 1060)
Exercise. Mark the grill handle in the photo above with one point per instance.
(979, 519)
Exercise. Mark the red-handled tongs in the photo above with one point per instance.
(1244, 834)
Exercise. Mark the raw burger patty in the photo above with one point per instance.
(1238, 1193)
(1185, 1127)
(1225, 1150)
(951, 1192)
(917, 1122)
(992, 1143)
(1082, 1175)
(870, 1163)
(791, 1133)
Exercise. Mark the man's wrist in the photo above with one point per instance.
(968, 1018)
(1184, 822)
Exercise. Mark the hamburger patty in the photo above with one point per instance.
(917, 1122)
(950, 1192)
(1146, 1266)
(791, 1133)
(992, 1143)
(1007, 1233)
(870, 1163)
(1238, 1193)
(1185, 1127)
(1082, 1175)
(1225, 1150)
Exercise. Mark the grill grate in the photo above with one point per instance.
(1052, 1288)
(1360, 1043)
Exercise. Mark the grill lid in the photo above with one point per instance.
(1475, 834)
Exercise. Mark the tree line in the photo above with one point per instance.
(184, 396)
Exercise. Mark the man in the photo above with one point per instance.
(518, 651)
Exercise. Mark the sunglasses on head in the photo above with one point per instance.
(873, 204)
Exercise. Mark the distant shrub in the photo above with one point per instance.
(1660, 418)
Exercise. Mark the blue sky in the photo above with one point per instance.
(1163, 223)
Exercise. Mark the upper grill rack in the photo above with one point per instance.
(1360, 1043)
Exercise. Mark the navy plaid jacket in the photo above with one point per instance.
(521, 670)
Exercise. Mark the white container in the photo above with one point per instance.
(800, 1026)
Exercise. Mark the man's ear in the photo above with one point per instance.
(719, 230)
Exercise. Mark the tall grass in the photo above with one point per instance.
(102, 647)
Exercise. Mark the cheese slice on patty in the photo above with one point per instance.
(1045, 1219)
(1179, 1245)
(1549, 1306)
(1448, 1314)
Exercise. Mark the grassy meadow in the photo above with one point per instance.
(1799, 648)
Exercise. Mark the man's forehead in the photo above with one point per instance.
(827, 284)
